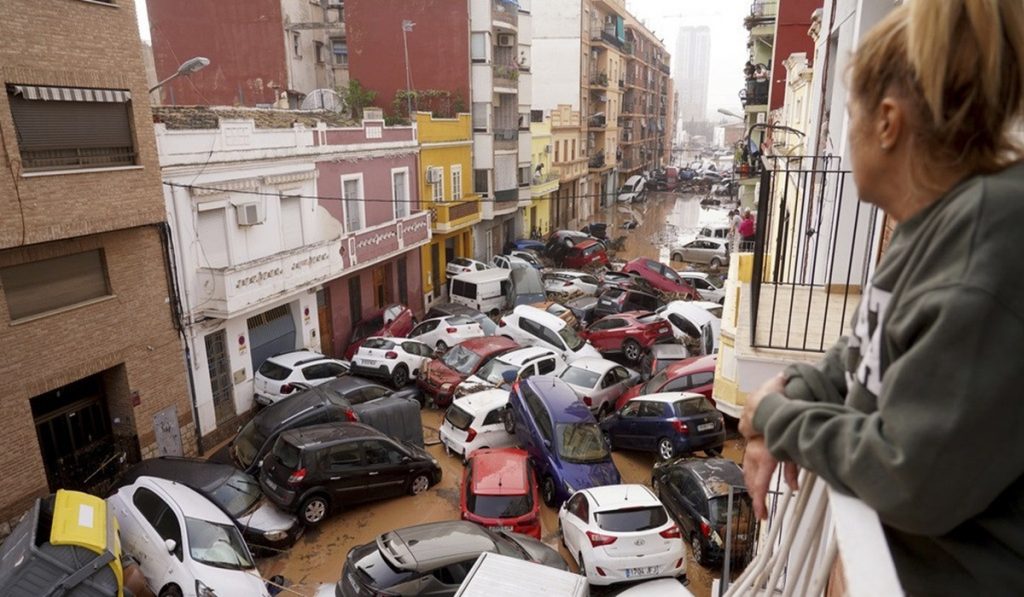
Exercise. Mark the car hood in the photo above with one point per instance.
(587, 350)
(540, 553)
(231, 582)
(267, 517)
(582, 476)
(438, 373)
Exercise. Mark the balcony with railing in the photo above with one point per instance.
(761, 20)
(755, 95)
(453, 215)
(598, 79)
(597, 161)
(597, 121)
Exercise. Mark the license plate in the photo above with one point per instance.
(662, 330)
(506, 528)
(705, 427)
(365, 362)
(647, 571)
(271, 484)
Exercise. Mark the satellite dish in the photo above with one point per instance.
(323, 99)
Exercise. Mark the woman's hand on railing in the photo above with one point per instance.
(758, 463)
(775, 385)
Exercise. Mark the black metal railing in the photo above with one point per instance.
(756, 93)
(813, 248)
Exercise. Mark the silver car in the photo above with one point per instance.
(571, 283)
(708, 251)
(599, 382)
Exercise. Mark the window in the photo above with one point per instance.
(545, 366)
(678, 384)
(60, 128)
(479, 116)
(378, 452)
(297, 45)
(480, 182)
(557, 157)
(400, 192)
(524, 176)
(494, 417)
(323, 371)
(702, 378)
(478, 47)
(573, 154)
(536, 115)
(652, 410)
(437, 188)
(160, 516)
(344, 457)
(51, 284)
(632, 409)
(339, 49)
(456, 182)
(352, 204)
(319, 49)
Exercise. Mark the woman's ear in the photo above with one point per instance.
(890, 119)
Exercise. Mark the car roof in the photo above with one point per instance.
(486, 275)
(487, 345)
(692, 274)
(667, 397)
(520, 356)
(561, 401)
(483, 401)
(327, 432)
(720, 241)
(595, 364)
(540, 316)
(567, 272)
(669, 351)
(500, 472)
(696, 315)
(692, 365)
(425, 547)
(296, 357)
(456, 309)
(716, 475)
(585, 244)
(190, 502)
(617, 497)
(193, 472)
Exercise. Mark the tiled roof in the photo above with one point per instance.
(206, 117)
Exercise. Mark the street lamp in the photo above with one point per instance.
(730, 113)
(407, 26)
(189, 67)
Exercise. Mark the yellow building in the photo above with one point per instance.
(446, 190)
(544, 181)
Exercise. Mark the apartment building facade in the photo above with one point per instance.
(647, 108)
(92, 372)
(261, 52)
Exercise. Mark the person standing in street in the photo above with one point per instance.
(917, 411)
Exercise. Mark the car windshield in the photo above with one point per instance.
(581, 442)
(368, 327)
(571, 338)
(458, 418)
(692, 406)
(493, 372)
(238, 494)
(632, 519)
(499, 506)
(272, 370)
(247, 443)
(580, 377)
(461, 359)
(656, 382)
(218, 545)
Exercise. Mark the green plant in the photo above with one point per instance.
(357, 97)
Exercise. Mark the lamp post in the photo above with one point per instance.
(407, 26)
(189, 67)
(725, 112)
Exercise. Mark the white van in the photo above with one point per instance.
(634, 190)
(487, 291)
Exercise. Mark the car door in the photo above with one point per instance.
(575, 522)
(419, 353)
(426, 332)
(648, 424)
(343, 472)
(387, 467)
(690, 498)
(613, 384)
(552, 340)
(625, 432)
(692, 251)
(588, 284)
(608, 336)
(156, 523)
(492, 430)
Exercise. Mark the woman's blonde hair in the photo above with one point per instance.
(959, 64)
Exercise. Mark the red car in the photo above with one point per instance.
(661, 277)
(440, 378)
(588, 252)
(499, 490)
(696, 374)
(632, 333)
(393, 321)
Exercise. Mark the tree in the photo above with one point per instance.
(357, 97)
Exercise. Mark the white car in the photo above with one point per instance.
(528, 257)
(278, 375)
(712, 308)
(599, 382)
(662, 587)
(522, 362)
(624, 531)
(445, 332)
(475, 421)
(185, 545)
(690, 320)
(510, 262)
(530, 326)
(709, 251)
(571, 283)
(708, 290)
(464, 265)
(397, 360)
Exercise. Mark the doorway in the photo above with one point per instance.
(220, 376)
(382, 286)
(435, 269)
(323, 310)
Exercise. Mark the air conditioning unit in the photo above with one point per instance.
(506, 40)
(434, 175)
(248, 214)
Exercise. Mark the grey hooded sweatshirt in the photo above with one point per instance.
(917, 411)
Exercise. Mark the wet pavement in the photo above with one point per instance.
(319, 556)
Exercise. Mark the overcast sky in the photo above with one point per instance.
(665, 17)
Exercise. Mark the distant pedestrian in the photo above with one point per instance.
(747, 229)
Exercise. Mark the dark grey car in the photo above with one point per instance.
(432, 559)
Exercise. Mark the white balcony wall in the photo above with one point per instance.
(525, 148)
(480, 15)
(555, 48)
(483, 83)
(483, 151)
(525, 90)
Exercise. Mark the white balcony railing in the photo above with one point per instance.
(819, 542)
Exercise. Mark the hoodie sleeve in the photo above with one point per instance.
(824, 382)
(940, 447)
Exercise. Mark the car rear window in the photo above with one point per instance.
(461, 261)
(499, 506)
(464, 289)
(460, 320)
(631, 519)
(287, 454)
(592, 250)
(273, 371)
(379, 343)
(580, 377)
(458, 418)
(692, 406)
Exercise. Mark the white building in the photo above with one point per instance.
(692, 72)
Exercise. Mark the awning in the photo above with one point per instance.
(70, 94)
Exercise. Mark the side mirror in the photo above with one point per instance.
(547, 443)
(171, 545)
(406, 459)
(508, 377)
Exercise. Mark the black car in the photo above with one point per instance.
(696, 493)
(619, 300)
(312, 470)
(432, 558)
(340, 399)
(448, 309)
(238, 494)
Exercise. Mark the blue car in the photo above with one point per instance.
(526, 244)
(561, 436)
(669, 424)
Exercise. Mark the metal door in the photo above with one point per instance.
(323, 308)
(271, 332)
(168, 434)
(220, 376)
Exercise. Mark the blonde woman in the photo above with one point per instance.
(919, 410)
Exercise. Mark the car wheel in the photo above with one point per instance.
(716, 263)
(697, 550)
(677, 256)
(171, 591)
(665, 449)
(509, 421)
(547, 491)
(419, 484)
(400, 376)
(632, 350)
(314, 509)
(441, 347)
